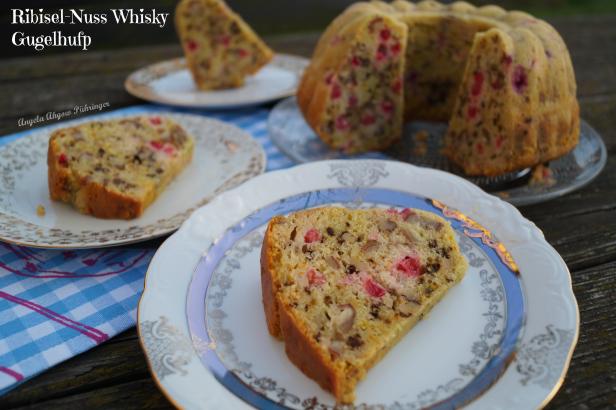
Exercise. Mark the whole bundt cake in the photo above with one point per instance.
(503, 80)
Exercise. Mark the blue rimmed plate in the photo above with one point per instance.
(501, 338)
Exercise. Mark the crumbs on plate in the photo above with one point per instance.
(420, 143)
(231, 146)
(40, 210)
(542, 175)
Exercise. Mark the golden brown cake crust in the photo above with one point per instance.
(311, 99)
(268, 287)
(93, 197)
(299, 347)
(302, 350)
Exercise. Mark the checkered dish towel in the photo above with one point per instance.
(56, 304)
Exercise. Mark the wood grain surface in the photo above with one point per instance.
(581, 225)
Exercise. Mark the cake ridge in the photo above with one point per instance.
(437, 86)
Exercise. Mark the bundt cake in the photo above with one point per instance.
(503, 80)
(220, 48)
(341, 286)
(116, 168)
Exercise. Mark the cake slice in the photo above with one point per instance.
(353, 95)
(476, 138)
(116, 168)
(341, 286)
(220, 48)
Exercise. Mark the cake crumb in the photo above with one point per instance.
(40, 210)
(542, 175)
(421, 135)
(231, 146)
(420, 143)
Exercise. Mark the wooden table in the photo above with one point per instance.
(581, 226)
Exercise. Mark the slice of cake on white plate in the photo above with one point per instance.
(341, 286)
(116, 168)
(221, 49)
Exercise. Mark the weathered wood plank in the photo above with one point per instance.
(595, 244)
(591, 378)
(24, 70)
(137, 394)
(582, 225)
(599, 111)
(118, 361)
(598, 196)
(62, 93)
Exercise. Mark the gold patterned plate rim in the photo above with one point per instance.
(231, 157)
(544, 349)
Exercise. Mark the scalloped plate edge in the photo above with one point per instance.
(512, 230)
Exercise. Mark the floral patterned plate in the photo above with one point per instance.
(170, 82)
(224, 157)
(502, 338)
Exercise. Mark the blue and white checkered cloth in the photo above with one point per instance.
(57, 304)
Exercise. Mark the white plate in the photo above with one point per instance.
(224, 157)
(502, 338)
(170, 82)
